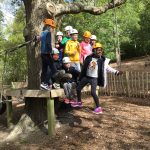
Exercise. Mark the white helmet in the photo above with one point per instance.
(59, 33)
(74, 31)
(55, 51)
(68, 28)
(66, 60)
(93, 37)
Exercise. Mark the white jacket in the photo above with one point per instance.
(107, 68)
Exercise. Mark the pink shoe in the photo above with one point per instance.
(72, 101)
(66, 100)
(98, 110)
(77, 104)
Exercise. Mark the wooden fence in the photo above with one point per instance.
(130, 84)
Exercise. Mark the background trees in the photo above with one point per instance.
(133, 27)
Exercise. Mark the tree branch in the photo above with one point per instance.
(74, 8)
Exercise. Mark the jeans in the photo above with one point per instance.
(48, 68)
(70, 90)
(93, 83)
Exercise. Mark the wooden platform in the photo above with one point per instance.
(19, 89)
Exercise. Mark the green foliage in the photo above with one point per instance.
(16, 64)
(129, 22)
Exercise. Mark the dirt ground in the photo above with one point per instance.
(125, 125)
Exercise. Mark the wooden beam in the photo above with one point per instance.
(34, 93)
(51, 117)
(9, 112)
(57, 93)
(27, 93)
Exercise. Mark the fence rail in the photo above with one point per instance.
(130, 84)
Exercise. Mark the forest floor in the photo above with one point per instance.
(124, 125)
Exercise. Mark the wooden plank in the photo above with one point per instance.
(27, 93)
(51, 117)
(147, 84)
(9, 110)
(57, 93)
(127, 83)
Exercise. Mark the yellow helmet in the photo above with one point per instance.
(97, 45)
(50, 22)
(87, 34)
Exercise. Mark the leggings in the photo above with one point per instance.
(93, 82)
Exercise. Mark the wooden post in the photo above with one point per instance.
(51, 117)
(9, 111)
(127, 83)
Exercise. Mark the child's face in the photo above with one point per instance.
(67, 65)
(87, 40)
(93, 42)
(68, 33)
(59, 38)
(57, 45)
(55, 56)
(99, 51)
(74, 37)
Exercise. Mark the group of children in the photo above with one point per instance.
(72, 65)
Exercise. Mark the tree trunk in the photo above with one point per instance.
(35, 108)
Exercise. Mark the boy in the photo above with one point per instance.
(46, 50)
(72, 50)
(94, 72)
(70, 84)
(58, 45)
(65, 39)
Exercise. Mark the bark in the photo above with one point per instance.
(35, 14)
(74, 8)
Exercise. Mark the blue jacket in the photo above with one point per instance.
(46, 46)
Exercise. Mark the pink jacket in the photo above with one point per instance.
(86, 50)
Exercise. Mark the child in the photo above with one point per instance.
(46, 50)
(86, 48)
(73, 49)
(70, 84)
(58, 44)
(94, 72)
(59, 36)
(67, 37)
(93, 40)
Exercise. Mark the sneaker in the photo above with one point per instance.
(98, 110)
(72, 101)
(56, 85)
(76, 104)
(46, 87)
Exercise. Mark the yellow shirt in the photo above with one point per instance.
(73, 49)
